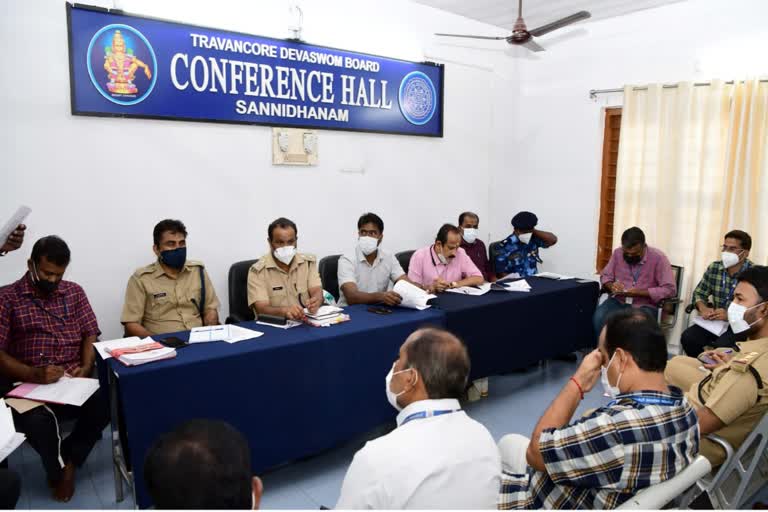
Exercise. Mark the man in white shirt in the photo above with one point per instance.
(437, 457)
(366, 275)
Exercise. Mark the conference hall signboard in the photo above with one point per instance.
(131, 66)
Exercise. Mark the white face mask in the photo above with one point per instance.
(525, 237)
(729, 259)
(392, 397)
(367, 244)
(440, 256)
(470, 235)
(612, 391)
(285, 254)
(736, 314)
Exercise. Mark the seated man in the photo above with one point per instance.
(645, 435)
(732, 397)
(519, 252)
(202, 465)
(173, 293)
(474, 247)
(443, 264)
(716, 290)
(284, 282)
(47, 329)
(437, 457)
(365, 276)
(636, 276)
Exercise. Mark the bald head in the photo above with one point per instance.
(441, 360)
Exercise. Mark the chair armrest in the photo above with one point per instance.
(725, 445)
(673, 300)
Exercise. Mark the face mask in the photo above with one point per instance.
(285, 254)
(174, 258)
(612, 391)
(729, 259)
(736, 314)
(470, 235)
(442, 259)
(632, 260)
(392, 397)
(46, 287)
(525, 238)
(367, 244)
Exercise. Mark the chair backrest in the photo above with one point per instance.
(493, 251)
(656, 496)
(670, 307)
(328, 268)
(238, 291)
(677, 272)
(404, 258)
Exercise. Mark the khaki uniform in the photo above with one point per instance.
(268, 282)
(732, 395)
(161, 303)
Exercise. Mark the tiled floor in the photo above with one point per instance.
(516, 402)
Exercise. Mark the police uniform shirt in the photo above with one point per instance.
(268, 282)
(162, 303)
(732, 395)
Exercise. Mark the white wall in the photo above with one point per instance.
(103, 183)
(554, 156)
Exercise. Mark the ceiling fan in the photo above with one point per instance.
(521, 36)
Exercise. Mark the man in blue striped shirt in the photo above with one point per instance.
(645, 435)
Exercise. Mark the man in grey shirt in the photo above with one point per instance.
(367, 274)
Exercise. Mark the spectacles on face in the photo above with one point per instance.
(731, 248)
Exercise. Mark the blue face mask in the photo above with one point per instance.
(174, 258)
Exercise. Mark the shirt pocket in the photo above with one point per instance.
(159, 304)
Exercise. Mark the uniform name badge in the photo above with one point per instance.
(628, 300)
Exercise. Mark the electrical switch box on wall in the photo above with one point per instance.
(294, 146)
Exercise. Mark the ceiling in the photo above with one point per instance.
(503, 13)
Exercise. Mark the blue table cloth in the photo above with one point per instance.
(505, 330)
(292, 392)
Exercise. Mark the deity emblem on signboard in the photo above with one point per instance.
(121, 64)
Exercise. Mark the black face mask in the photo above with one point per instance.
(632, 260)
(46, 287)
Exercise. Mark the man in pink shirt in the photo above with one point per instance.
(444, 264)
(636, 276)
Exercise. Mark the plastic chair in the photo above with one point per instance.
(238, 292)
(404, 258)
(328, 268)
(743, 473)
(659, 495)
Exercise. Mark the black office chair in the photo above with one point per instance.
(238, 292)
(669, 308)
(404, 258)
(493, 251)
(328, 268)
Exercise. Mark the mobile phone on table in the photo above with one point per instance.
(173, 342)
(379, 310)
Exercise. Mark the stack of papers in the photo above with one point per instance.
(229, 333)
(67, 390)
(105, 347)
(412, 296)
(517, 286)
(471, 290)
(716, 327)
(142, 354)
(326, 316)
(552, 275)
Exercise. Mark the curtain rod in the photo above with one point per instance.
(594, 92)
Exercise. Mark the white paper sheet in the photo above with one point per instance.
(471, 290)
(133, 341)
(412, 296)
(237, 333)
(288, 324)
(67, 390)
(208, 333)
(518, 286)
(716, 327)
(552, 275)
(12, 223)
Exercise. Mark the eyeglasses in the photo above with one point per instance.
(734, 250)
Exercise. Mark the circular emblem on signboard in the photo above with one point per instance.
(418, 98)
(122, 64)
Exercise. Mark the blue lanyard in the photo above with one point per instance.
(650, 400)
(729, 298)
(426, 414)
(636, 276)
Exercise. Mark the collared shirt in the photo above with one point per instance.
(268, 282)
(600, 461)
(479, 256)
(653, 273)
(425, 267)
(514, 256)
(733, 396)
(718, 284)
(163, 303)
(45, 331)
(441, 461)
(379, 277)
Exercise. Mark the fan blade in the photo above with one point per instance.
(533, 46)
(573, 18)
(472, 37)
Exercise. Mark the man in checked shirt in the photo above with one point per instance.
(646, 434)
(47, 330)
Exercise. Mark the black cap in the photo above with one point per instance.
(525, 221)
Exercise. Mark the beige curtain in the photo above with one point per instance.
(692, 163)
